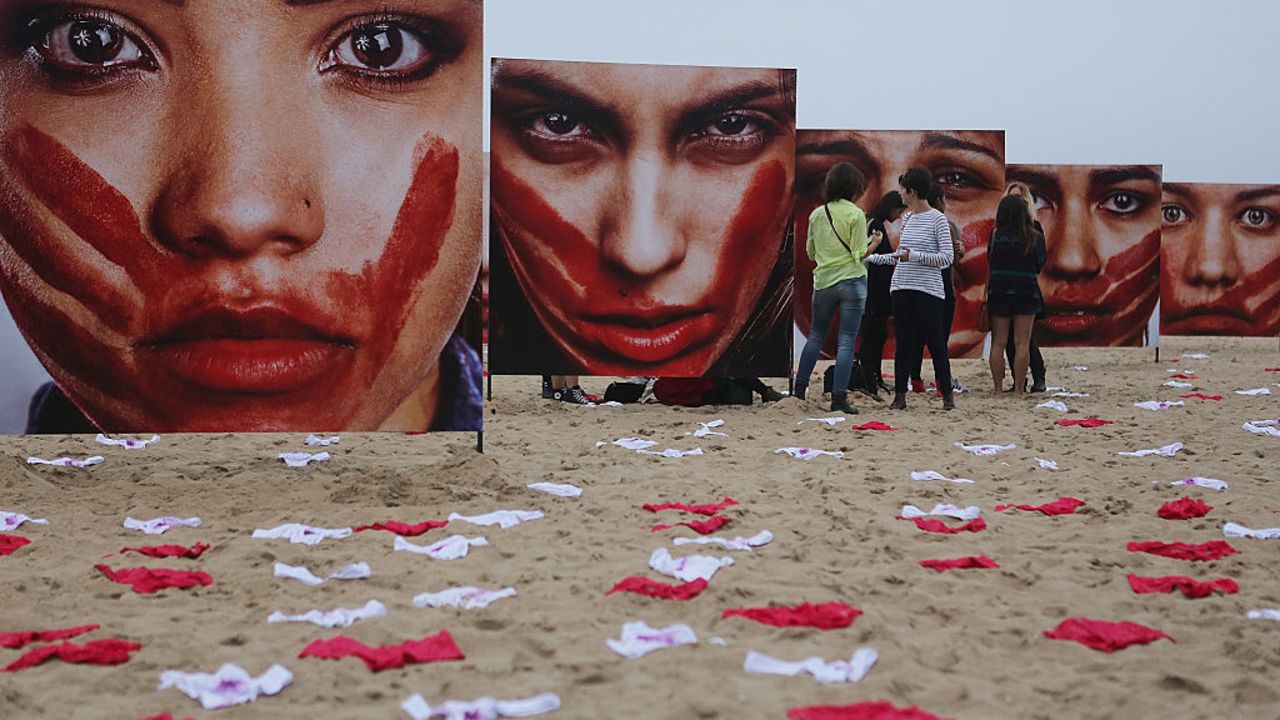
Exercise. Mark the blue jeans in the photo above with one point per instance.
(849, 297)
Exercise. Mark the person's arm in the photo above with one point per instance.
(809, 244)
(957, 243)
(859, 240)
(942, 238)
(1042, 252)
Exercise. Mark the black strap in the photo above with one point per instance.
(827, 207)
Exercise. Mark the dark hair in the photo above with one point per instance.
(844, 182)
(917, 180)
(884, 208)
(937, 197)
(1013, 218)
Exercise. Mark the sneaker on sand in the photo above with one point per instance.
(573, 395)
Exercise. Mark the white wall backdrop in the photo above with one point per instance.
(1185, 83)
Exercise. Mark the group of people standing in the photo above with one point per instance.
(865, 277)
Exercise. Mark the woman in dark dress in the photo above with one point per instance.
(1016, 253)
(875, 318)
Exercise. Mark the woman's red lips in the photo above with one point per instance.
(1073, 320)
(1208, 320)
(650, 337)
(263, 350)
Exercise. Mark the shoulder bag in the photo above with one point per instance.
(984, 311)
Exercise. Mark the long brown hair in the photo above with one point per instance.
(1012, 217)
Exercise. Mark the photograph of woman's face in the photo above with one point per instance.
(1102, 233)
(638, 211)
(1220, 260)
(968, 164)
(241, 214)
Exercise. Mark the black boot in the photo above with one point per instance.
(800, 391)
(949, 400)
(840, 403)
(899, 401)
(770, 395)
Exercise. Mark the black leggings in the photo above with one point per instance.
(948, 320)
(918, 323)
(875, 330)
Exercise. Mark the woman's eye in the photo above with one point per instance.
(559, 125)
(88, 44)
(1257, 218)
(1040, 202)
(1173, 214)
(381, 47)
(1122, 203)
(956, 179)
(731, 124)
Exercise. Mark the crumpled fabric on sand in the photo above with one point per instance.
(1047, 464)
(453, 547)
(557, 489)
(1164, 451)
(485, 708)
(702, 527)
(1202, 396)
(660, 590)
(708, 509)
(883, 710)
(1234, 530)
(828, 421)
(1053, 405)
(1264, 614)
(1091, 422)
(433, 648)
(1061, 506)
(672, 452)
(1209, 483)
(338, 617)
(930, 475)
(630, 443)
(168, 551)
(230, 685)
(638, 639)
(837, 671)
(146, 581)
(302, 459)
(1204, 552)
(689, 567)
(126, 443)
(825, 616)
(971, 562)
(808, 453)
(1255, 392)
(317, 441)
(505, 519)
(109, 651)
(874, 425)
(23, 638)
(1103, 635)
(707, 429)
(1158, 404)
(985, 450)
(14, 520)
(1184, 509)
(302, 534)
(9, 544)
(402, 528)
(764, 537)
(1067, 394)
(932, 525)
(1178, 384)
(67, 462)
(1263, 427)
(971, 512)
(160, 525)
(467, 597)
(1189, 587)
(355, 571)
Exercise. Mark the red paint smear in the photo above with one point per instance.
(827, 616)
(1205, 552)
(978, 562)
(433, 648)
(883, 710)
(696, 509)
(1105, 636)
(1061, 506)
(9, 544)
(702, 527)
(660, 590)
(97, 652)
(934, 525)
(1189, 587)
(1127, 276)
(404, 529)
(1184, 509)
(18, 640)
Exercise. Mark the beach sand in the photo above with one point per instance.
(964, 644)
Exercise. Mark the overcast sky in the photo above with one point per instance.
(1187, 83)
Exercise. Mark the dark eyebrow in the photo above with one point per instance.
(553, 90)
(1046, 182)
(1179, 189)
(734, 97)
(1112, 176)
(942, 141)
(1260, 193)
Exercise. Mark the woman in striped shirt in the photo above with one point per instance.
(917, 289)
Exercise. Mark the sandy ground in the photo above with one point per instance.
(965, 644)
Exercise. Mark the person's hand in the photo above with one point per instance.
(902, 254)
(876, 237)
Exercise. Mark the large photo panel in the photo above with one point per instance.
(266, 220)
(968, 164)
(1220, 260)
(639, 219)
(1101, 278)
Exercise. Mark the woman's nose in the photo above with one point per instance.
(641, 234)
(1213, 260)
(1073, 244)
(242, 181)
